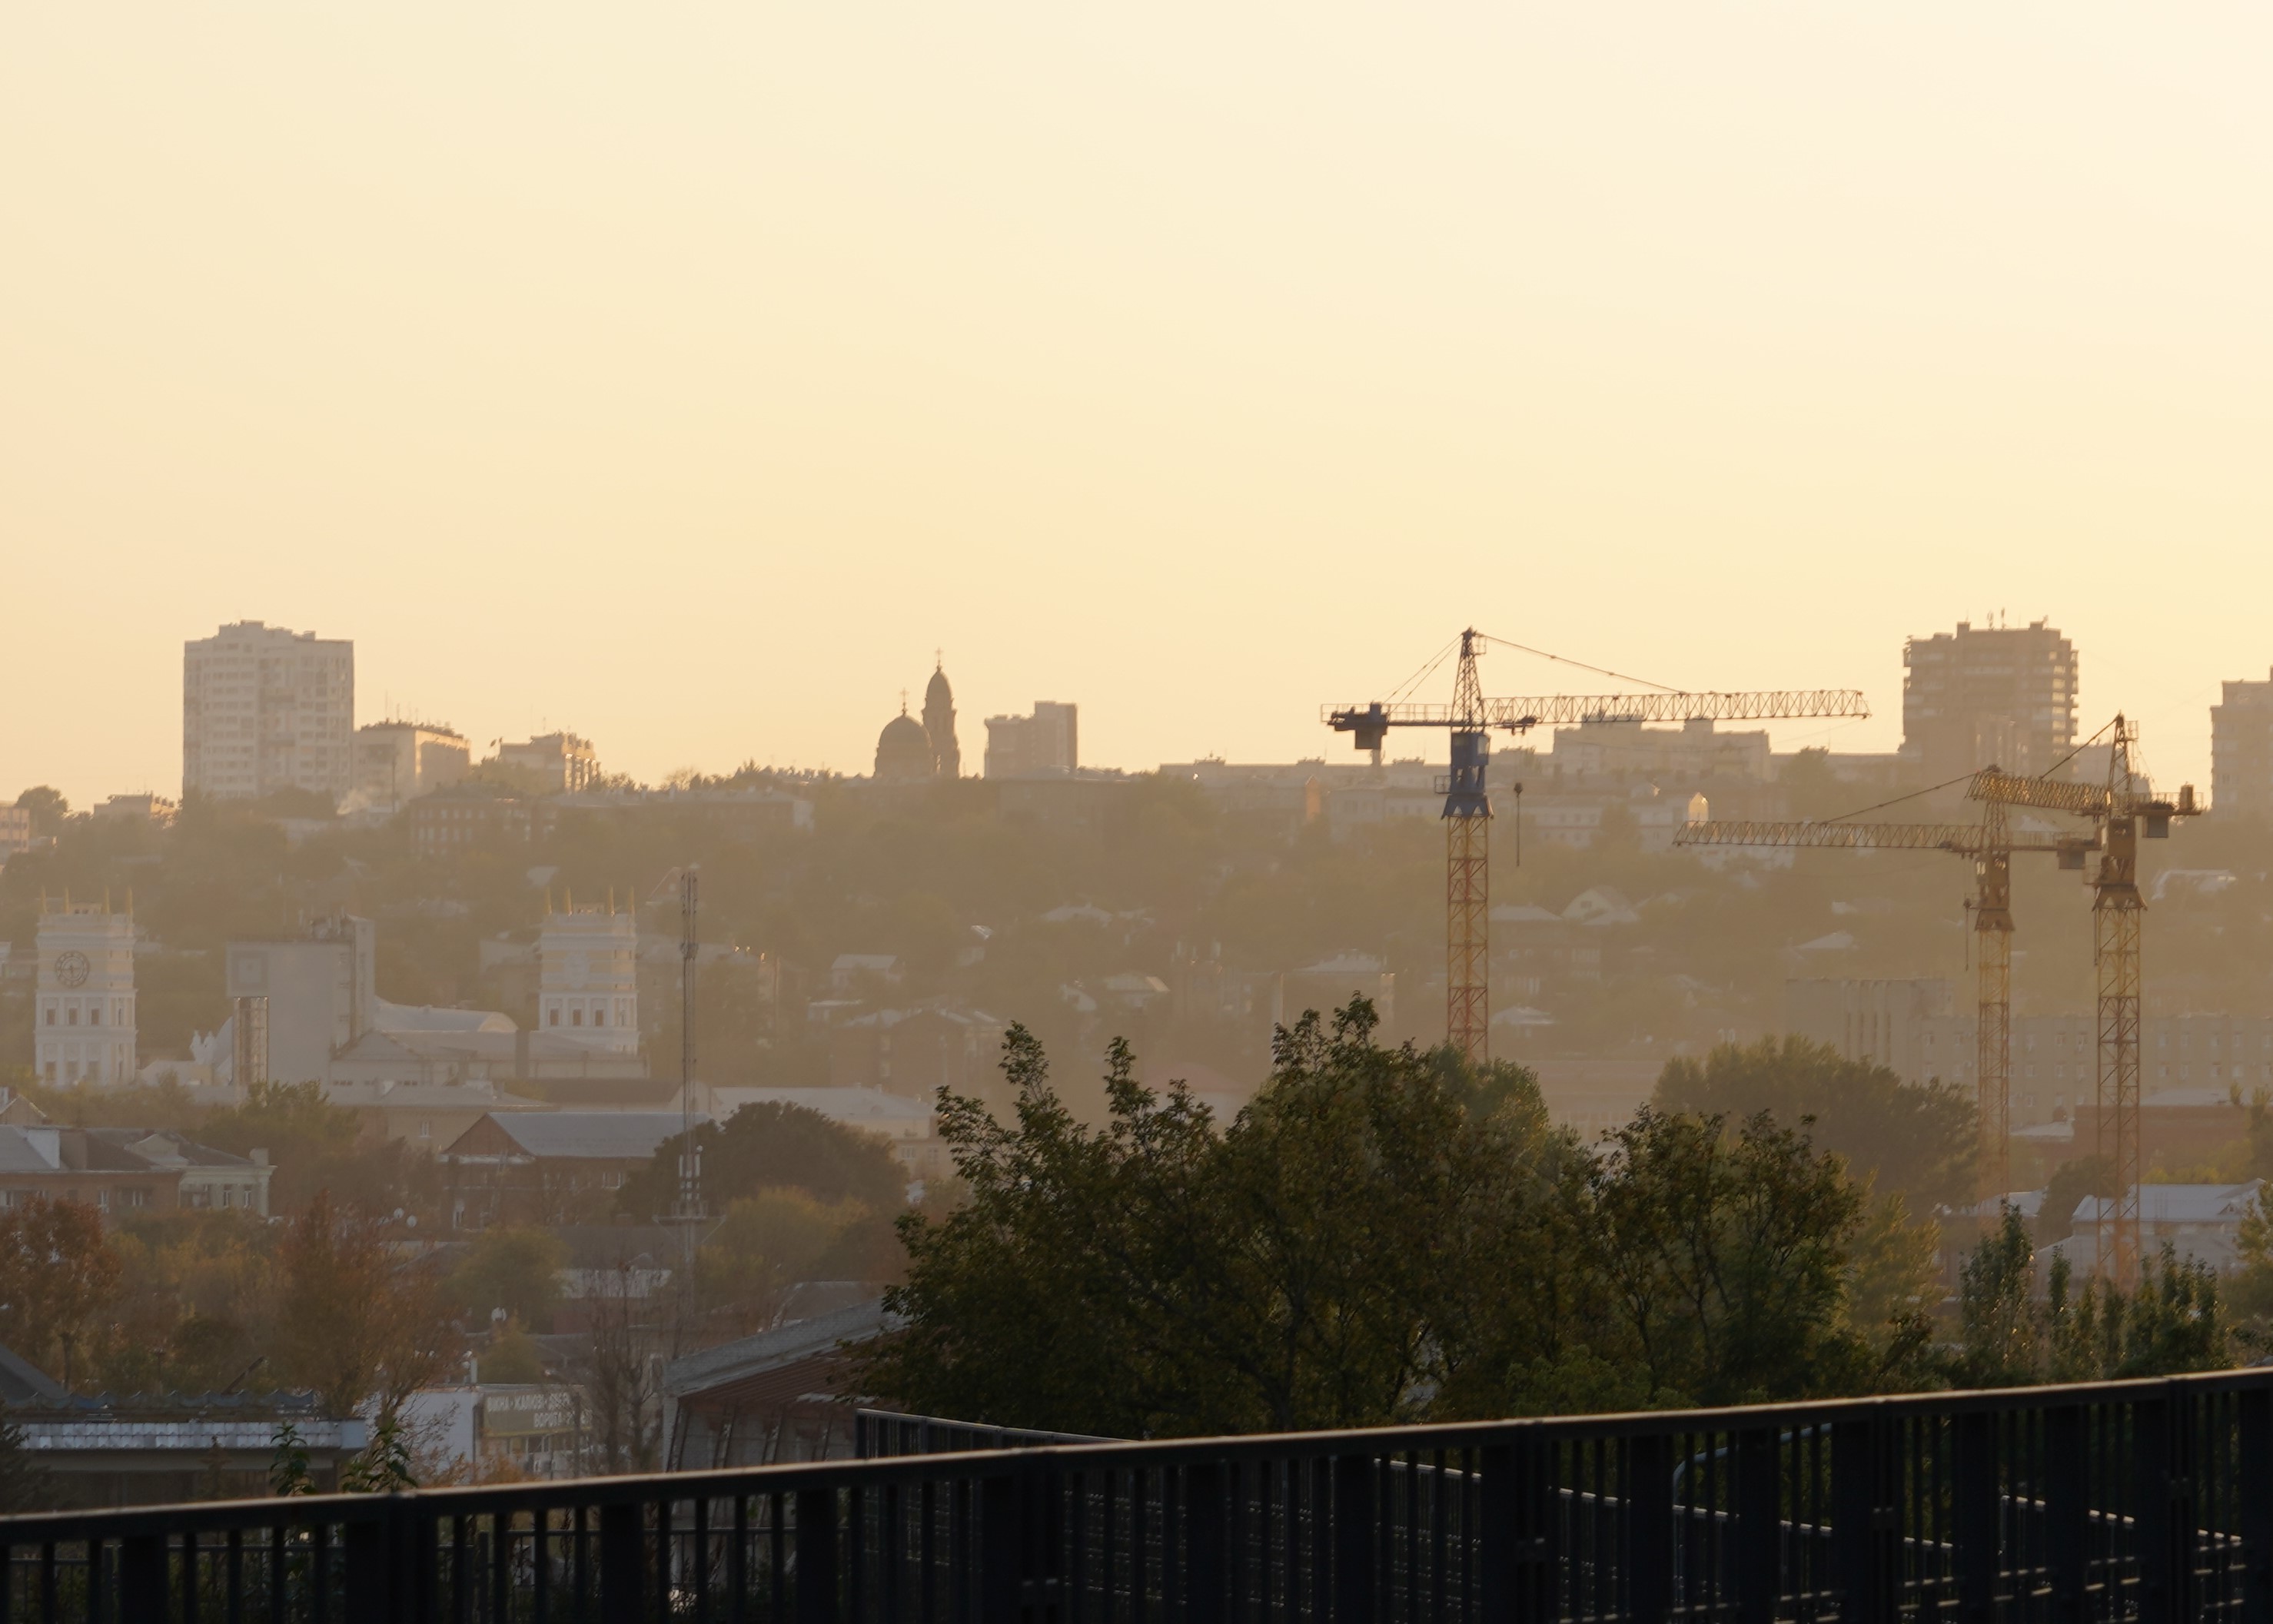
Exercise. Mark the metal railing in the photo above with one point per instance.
(2147, 1501)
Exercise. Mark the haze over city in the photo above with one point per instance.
(688, 384)
(1136, 750)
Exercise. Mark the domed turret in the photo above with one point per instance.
(938, 725)
(903, 750)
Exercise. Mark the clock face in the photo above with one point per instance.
(71, 967)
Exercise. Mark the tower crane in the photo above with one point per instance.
(2121, 810)
(1989, 845)
(1471, 718)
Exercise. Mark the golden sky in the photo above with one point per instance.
(685, 375)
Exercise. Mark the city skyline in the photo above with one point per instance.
(1202, 374)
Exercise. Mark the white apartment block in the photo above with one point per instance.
(83, 1008)
(587, 978)
(399, 761)
(265, 709)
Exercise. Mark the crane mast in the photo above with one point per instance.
(1990, 845)
(1467, 813)
(1468, 868)
(2123, 809)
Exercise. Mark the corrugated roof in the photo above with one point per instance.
(2179, 1203)
(754, 1355)
(600, 1135)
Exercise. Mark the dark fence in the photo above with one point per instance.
(2145, 1502)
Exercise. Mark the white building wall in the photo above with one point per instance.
(588, 978)
(83, 1009)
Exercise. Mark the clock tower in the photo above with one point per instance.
(83, 1012)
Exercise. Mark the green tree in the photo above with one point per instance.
(766, 1244)
(48, 808)
(2000, 1326)
(315, 1146)
(25, 1485)
(1914, 1139)
(1726, 1255)
(771, 1145)
(2173, 1321)
(515, 1269)
(1372, 1240)
(2065, 1191)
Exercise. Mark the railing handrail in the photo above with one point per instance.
(790, 1478)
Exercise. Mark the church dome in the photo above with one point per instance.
(938, 693)
(903, 750)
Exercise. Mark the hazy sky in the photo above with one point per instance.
(685, 375)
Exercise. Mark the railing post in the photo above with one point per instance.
(1974, 1479)
(1205, 1512)
(623, 1563)
(1759, 1525)
(2067, 1511)
(369, 1574)
(1517, 1540)
(142, 1576)
(2176, 1551)
(2255, 1493)
(1864, 1538)
(2151, 1434)
(1357, 1539)
(816, 1556)
(1649, 1526)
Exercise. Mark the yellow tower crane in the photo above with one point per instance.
(1989, 845)
(2121, 811)
(1471, 718)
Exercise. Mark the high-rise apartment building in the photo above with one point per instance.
(265, 709)
(1983, 696)
(587, 978)
(83, 1009)
(399, 761)
(1045, 744)
(2241, 750)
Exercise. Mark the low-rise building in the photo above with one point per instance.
(913, 1052)
(64, 1164)
(547, 1167)
(15, 832)
(563, 762)
(209, 1179)
(425, 1116)
(396, 762)
(2201, 1223)
(466, 818)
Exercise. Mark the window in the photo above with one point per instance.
(555, 1014)
(425, 1127)
(94, 1016)
(575, 1017)
(71, 1015)
(599, 1017)
(51, 1014)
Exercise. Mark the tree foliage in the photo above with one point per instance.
(767, 1146)
(58, 1273)
(1376, 1237)
(356, 1323)
(1914, 1139)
